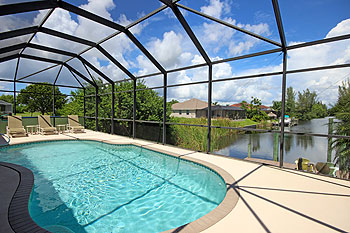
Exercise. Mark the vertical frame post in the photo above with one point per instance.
(84, 110)
(96, 108)
(165, 106)
(53, 92)
(330, 140)
(14, 88)
(134, 110)
(113, 110)
(210, 85)
(14, 97)
(53, 105)
(284, 84)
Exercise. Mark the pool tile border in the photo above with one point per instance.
(16, 213)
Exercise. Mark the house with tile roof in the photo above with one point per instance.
(195, 108)
(189, 108)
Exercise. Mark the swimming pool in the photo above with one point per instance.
(88, 186)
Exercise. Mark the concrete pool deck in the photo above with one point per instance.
(270, 199)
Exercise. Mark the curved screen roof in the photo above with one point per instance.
(87, 40)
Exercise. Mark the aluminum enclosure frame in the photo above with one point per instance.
(50, 5)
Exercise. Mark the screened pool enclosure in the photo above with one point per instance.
(70, 66)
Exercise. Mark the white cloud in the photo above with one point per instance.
(174, 49)
(145, 66)
(323, 82)
(261, 28)
(342, 28)
(216, 8)
(269, 88)
(214, 32)
(10, 22)
(168, 50)
(65, 25)
(216, 36)
(63, 21)
(100, 7)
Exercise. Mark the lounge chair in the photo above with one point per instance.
(326, 168)
(15, 127)
(74, 125)
(45, 126)
(304, 164)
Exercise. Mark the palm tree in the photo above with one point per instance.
(342, 145)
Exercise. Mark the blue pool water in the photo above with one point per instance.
(88, 186)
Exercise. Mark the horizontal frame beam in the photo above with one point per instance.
(20, 81)
(12, 48)
(29, 75)
(52, 50)
(7, 58)
(66, 36)
(18, 32)
(317, 42)
(41, 59)
(26, 7)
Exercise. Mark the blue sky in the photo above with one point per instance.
(166, 40)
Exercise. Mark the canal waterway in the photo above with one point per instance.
(310, 147)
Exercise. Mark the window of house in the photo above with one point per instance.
(187, 112)
(180, 112)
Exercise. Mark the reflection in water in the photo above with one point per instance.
(288, 142)
(310, 147)
(305, 141)
(256, 142)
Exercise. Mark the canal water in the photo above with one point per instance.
(310, 147)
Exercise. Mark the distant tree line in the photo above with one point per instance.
(306, 106)
(37, 98)
(149, 105)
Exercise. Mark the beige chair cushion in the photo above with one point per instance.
(17, 130)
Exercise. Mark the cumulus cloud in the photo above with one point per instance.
(168, 50)
(71, 24)
(173, 49)
(216, 8)
(267, 89)
(323, 82)
(216, 36)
